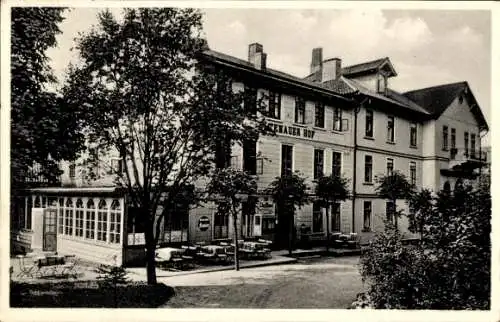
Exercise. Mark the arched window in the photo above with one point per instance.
(79, 218)
(90, 220)
(447, 187)
(102, 221)
(68, 218)
(37, 202)
(115, 222)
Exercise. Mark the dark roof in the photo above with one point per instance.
(334, 88)
(392, 97)
(436, 99)
(367, 67)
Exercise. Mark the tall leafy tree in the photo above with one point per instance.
(393, 187)
(151, 104)
(330, 190)
(289, 192)
(43, 129)
(229, 188)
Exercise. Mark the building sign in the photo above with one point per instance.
(203, 223)
(292, 130)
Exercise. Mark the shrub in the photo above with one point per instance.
(448, 269)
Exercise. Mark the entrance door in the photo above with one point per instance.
(257, 228)
(49, 229)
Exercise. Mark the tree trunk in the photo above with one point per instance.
(327, 228)
(150, 252)
(236, 247)
(150, 263)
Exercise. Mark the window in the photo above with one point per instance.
(390, 129)
(115, 222)
(90, 220)
(72, 168)
(274, 105)
(319, 115)
(390, 166)
(445, 138)
(336, 217)
(413, 134)
(367, 215)
(250, 156)
(473, 145)
(300, 110)
(368, 168)
(60, 215)
(68, 218)
(369, 123)
(117, 165)
(336, 164)
(381, 83)
(223, 153)
(318, 163)
(286, 159)
(337, 119)
(79, 218)
(102, 221)
(413, 173)
(389, 211)
(466, 143)
(268, 225)
(317, 225)
(250, 99)
(453, 142)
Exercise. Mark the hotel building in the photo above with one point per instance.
(344, 120)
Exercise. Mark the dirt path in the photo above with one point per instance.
(315, 283)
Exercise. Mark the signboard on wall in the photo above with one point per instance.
(176, 236)
(203, 223)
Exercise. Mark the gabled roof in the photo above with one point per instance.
(333, 89)
(437, 99)
(367, 67)
(392, 97)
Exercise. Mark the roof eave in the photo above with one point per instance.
(275, 77)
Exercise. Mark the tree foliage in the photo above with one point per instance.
(289, 192)
(229, 187)
(393, 187)
(449, 268)
(329, 190)
(43, 129)
(148, 102)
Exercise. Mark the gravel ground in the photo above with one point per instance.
(311, 283)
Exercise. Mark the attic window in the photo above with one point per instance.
(381, 83)
(461, 99)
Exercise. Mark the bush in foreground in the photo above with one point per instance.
(448, 269)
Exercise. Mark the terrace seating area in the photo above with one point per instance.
(46, 265)
(221, 252)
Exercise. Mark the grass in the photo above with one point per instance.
(88, 294)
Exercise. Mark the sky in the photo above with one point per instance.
(426, 47)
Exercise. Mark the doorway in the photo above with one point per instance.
(49, 229)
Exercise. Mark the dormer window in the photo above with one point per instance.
(381, 83)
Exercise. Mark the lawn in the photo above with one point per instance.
(87, 294)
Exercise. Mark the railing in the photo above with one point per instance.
(34, 177)
(461, 156)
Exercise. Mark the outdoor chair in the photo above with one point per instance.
(27, 267)
(354, 240)
(69, 267)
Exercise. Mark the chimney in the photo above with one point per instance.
(317, 60)
(256, 56)
(332, 69)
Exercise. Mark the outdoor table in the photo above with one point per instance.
(167, 253)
